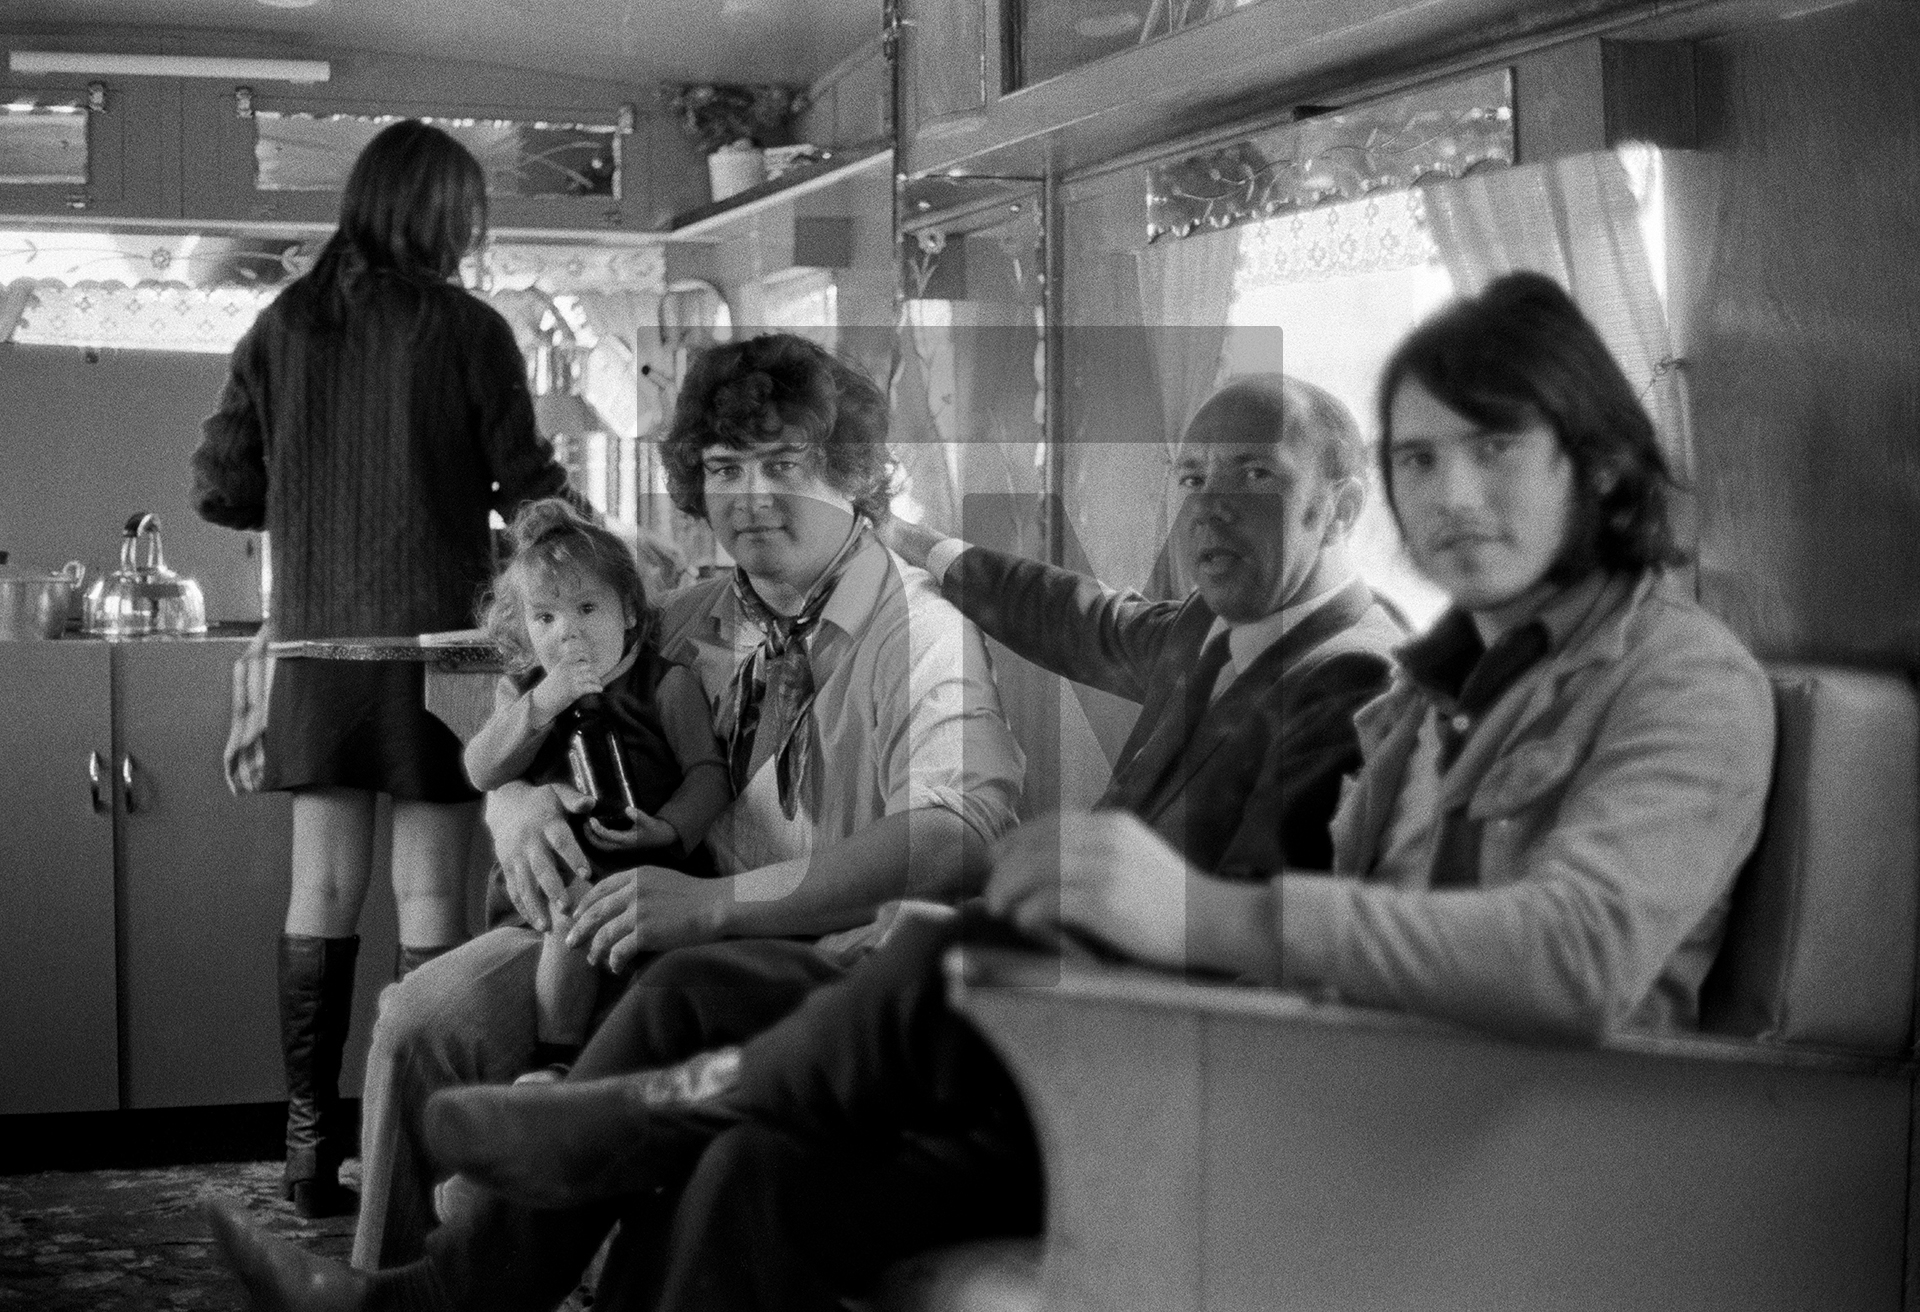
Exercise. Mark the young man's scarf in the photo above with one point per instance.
(773, 690)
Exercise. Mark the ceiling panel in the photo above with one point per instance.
(630, 40)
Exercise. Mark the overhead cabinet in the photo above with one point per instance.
(72, 147)
(559, 154)
(285, 157)
(987, 93)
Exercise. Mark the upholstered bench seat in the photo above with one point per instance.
(1227, 1148)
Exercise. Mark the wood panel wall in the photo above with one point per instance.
(1795, 232)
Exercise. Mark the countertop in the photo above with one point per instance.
(219, 630)
(464, 656)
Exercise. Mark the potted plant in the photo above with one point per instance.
(732, 125)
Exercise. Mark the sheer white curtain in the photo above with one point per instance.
(924, 412)
(1186, 290)
(966, 420)
(1576, 220)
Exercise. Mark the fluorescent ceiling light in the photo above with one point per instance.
(249, 70)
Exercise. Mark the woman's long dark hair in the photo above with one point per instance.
(1522, 353)
(415, 205)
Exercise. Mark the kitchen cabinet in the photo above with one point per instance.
(57, 978)
(183, 149)
(130, 144)
(139, 917)
(219, 163)
(203, 886)
(950, 51)
(970, 110)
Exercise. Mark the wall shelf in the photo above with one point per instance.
(710, 222)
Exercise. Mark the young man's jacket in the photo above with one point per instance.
(1608, 799)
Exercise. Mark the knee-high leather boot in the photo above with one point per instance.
(316, 1006)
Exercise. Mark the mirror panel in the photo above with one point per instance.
(43, 144)
(522, 158)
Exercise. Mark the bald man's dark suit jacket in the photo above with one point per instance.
(1252, 785)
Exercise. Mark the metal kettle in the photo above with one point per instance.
(144, 597)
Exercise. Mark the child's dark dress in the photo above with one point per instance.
(659, 716)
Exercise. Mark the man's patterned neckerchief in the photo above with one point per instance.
(773, 690)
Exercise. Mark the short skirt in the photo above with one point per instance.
(360, 724)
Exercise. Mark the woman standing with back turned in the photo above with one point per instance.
(374, 415)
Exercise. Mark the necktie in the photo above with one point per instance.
(773, 689)
(1138, 772)
(1206, 672)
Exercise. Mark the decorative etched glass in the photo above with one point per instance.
(314, 152)
(200, 291)
(1445, 131)
(43, 145)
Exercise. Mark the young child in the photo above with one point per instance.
(572, 620)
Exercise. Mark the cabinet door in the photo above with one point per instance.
(951, 54)
(130, 152)
(58, 1043)
(218, 166)
(204, 886)
(204, 878)
(220, 162)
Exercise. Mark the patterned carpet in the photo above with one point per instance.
(133, 1241)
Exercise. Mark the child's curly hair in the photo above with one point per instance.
(552, 539)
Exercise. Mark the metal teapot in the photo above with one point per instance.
(144, 598)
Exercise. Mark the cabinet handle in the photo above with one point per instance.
(126, 781)
(96, 776)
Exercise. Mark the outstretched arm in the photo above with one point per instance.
(1064, 622)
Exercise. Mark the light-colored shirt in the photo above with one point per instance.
(905, 715)
(1247, 642)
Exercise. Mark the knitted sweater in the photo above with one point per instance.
(373, 454)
